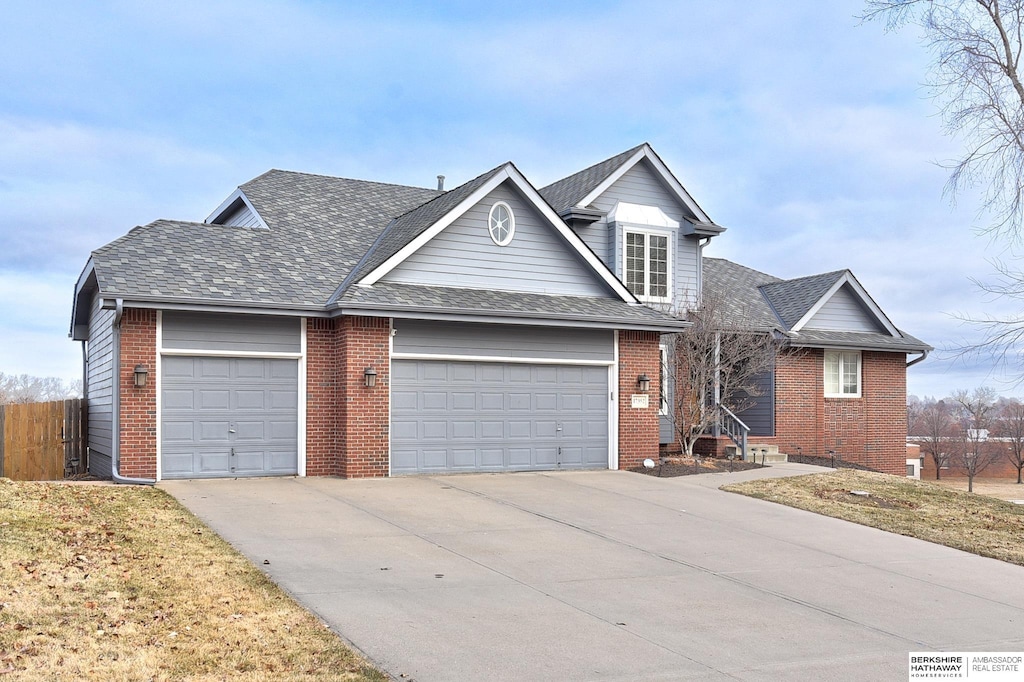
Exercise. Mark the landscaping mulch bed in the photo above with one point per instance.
(689, 467)
(827, 462)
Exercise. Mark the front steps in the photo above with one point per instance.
(756, 452)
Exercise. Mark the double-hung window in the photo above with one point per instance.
(646, 266)
(842, 374)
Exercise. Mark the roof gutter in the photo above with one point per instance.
(115, 437)
(924, 356)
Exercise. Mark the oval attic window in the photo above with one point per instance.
(501, 223)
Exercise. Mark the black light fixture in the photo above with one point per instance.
(644, 382)
(140, 374)
(370, 377)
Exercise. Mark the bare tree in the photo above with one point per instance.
(713, 364)
(1011, 429)
(24, 388)
(936, 429)
(974, 453)
(976, 82)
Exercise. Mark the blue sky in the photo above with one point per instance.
(806, 134)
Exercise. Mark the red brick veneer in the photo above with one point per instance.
(870, 430)
(137, 432)
(638, 428)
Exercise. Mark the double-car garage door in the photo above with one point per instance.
(494, 416)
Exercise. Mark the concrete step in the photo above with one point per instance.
(754, 452)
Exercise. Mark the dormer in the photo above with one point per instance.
(637, 217)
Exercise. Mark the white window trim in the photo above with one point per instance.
(628, 229)
(511, 223)
(860, 371)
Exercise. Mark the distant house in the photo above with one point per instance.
(315, 325)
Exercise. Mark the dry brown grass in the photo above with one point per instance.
(1003, 488)
(122, 583)
(971, 522)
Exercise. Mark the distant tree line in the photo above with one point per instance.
(968, 430)
(23, 388)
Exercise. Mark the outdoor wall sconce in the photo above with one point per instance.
(370, 377)
(140, 375)
(644, 382)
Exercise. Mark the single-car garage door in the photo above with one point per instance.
(493, 416)
(228, 417)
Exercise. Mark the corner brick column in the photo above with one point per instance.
(638, 427)
(137, 405)
(324, 434)
(364, 342)
(884, 387)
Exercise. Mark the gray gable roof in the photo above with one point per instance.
(569, 191)
(411, 224)
(744, 295)
(792, 298)
(345, 215)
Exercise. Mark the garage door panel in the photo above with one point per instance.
(228, 417)
(463, 429)
(212, 368)
(210, 399)
(466, 416)
(434, 430)
(250, 400)
(434, 400)
(182, 399)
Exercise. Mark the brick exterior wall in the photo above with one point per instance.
(638, 428)
(870, 430)
(348, 423)
(325, 439)
(137, 431)
(365, 412)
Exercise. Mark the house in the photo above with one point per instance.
(314, 325)
(839, 381)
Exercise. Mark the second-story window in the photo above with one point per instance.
(646, 268)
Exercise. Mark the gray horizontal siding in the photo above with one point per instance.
(100, 388)
(844, 312)
(454, 338)
(760, 416)
(536, 260)
(248, 333)
(641, 185)
(242, 216)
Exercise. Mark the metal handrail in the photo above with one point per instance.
(734, 427)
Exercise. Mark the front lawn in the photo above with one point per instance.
(974, 523)
(122, 583)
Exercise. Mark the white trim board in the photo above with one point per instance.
(445, 357)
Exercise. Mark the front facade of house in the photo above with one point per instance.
(322, 326)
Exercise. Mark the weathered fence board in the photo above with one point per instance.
(43, 441)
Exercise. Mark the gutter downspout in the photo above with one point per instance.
(924, 355)
(116, 435)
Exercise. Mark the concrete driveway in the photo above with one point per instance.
(607, 575)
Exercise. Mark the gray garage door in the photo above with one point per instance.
(481, 416)
(228, 417)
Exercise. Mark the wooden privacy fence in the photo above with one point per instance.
(43, 441)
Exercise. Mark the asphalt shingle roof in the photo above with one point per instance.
(392, 296)
(743, 293)
(792, 298)
(411, 224)
(571, 190)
